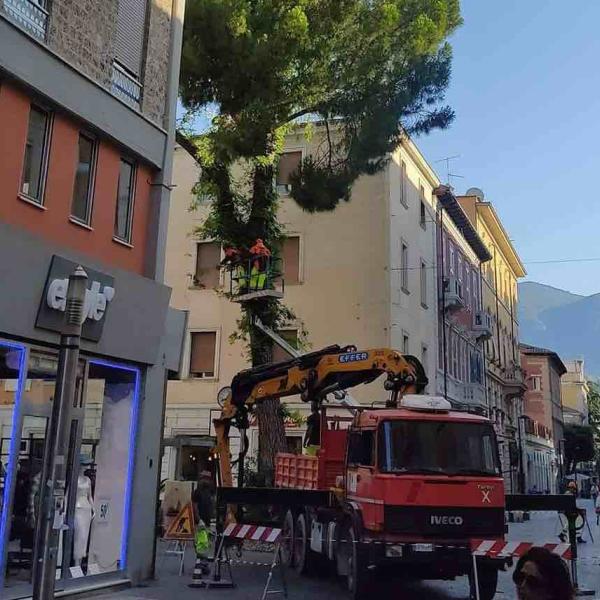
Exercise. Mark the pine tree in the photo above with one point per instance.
(371, 71)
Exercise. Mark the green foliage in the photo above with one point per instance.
(365, 72)
(377, 68)
(579, 445)
(594, 417)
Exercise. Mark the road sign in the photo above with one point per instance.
(182, 527)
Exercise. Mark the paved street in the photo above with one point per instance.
(542, 527)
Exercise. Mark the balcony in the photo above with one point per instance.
(514, 382)
(453, 294)
(474, 394)
(31, 15)
(125, 86)
(482, 325)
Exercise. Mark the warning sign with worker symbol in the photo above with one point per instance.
(182, 526)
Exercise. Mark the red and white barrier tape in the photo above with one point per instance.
(502, 549)
(255, 533)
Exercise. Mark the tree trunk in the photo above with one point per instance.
(271, 430)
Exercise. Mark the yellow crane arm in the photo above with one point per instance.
(313, 376)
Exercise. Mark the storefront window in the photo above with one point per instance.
(11, 363)
(103, 489)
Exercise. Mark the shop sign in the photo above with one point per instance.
(98, 296)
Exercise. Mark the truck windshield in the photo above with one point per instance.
(444, 447)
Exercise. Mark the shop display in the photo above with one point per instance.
(84, 513)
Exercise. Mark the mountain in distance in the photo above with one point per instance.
(564, 322)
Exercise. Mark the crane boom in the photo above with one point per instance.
(312, 376)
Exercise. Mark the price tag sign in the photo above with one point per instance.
(103, 510)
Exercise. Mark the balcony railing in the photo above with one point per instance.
(31, 15)
(125, 86)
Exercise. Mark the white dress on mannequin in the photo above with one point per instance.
(83, 517)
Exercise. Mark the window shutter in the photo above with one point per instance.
(202, 359)
(208, 258)
(129, 43)
(288, 163)
(291, 259)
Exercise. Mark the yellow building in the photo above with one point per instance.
(505, 384)
(574, 391)
(363, 275)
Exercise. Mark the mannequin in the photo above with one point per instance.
(84, 513)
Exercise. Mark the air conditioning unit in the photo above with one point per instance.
(453, 294)
(482, 324)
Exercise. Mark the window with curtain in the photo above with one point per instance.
(36, 151)
(208, 258)
(404, 266)
(403, 177)
(125, 194)
(202, 353)
(81, 206)
(288, 163)
(423, 284)
(290, 255)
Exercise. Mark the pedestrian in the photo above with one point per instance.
(594, 492)
(597, 507)
(541, 575)
(203, 500)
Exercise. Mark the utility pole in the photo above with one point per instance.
(54, 471)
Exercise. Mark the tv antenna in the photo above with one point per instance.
(448, 174)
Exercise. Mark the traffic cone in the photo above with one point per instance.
(199, 570)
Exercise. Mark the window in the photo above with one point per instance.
(290, 255)
(403, 195)
(423, 214)
(467, 284)
(423, 284)
(81, 207)
(404, 267)
(360, 448)
(451, 258)
(405, 344)
(125, 193)
(536, 382)
(129, 42)
(278, 354)
(288, 163)
(202, 354)
(208, 257)
(36, 155)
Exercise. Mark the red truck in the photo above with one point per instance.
(413, 486)
(406, 487)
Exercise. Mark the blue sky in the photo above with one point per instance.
(526, 91)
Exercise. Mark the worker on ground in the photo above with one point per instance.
(579, 523)
(203, 500)
(312, 437)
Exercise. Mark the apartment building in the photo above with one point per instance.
(87, 105)
(363, 274)
(574, 388)
(463, 325)
(504, 378)
(542, 456)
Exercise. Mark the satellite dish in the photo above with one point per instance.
(475, 192)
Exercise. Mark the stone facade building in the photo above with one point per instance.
(88, 94)
(575, 393)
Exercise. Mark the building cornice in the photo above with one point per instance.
(491, 219)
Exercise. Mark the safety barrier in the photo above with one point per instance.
(238, 533)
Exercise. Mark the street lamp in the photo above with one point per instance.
(53, 477)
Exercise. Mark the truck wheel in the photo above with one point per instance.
(302, 552)
(287, 539)
(357, 577)
(488, 581)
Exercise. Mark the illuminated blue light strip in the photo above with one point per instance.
(13, 446)
(131, 458)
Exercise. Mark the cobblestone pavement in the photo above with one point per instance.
(250, 579)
